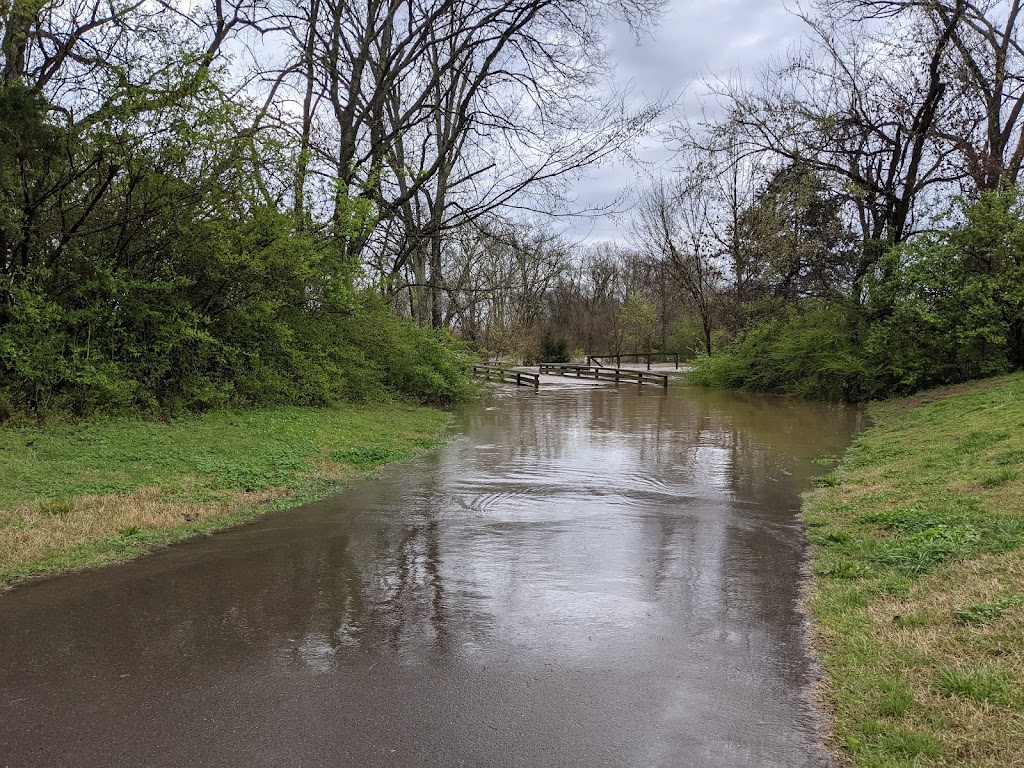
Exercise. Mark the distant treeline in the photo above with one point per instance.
(944, 307)
(848, 225)
(234, 202)
(843, 225)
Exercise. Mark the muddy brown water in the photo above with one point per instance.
(587, 576)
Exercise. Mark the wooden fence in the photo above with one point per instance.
(598, 360)
(507, 376)
(599, 373)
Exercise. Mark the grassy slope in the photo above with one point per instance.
(918, 592)
(78, 495)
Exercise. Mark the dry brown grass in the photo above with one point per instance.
(330, 470)
(33, 532)
(974, 732)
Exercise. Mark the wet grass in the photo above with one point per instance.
(91, 493)
(918, 588)
(983, 683)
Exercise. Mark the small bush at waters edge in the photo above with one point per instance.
(552, 349)
(808, 353)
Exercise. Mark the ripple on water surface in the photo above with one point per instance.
(589, 576)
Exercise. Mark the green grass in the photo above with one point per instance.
(980, 614)
(370, 457)
(1000, 477)
(256, 449)
(918, 586)
(166, 481)
(982, 684)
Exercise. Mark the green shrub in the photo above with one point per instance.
(808, 352)
(944, 308)
(57, 361)
(949, 306)
(553, 350)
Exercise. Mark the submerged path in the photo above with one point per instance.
(590, 577)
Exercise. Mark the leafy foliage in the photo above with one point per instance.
(552, 349)
(639, 321)
(153, 275)
(949, 307)
(945, 308)
(806, 352)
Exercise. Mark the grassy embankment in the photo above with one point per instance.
(102, 491)
(918, 592)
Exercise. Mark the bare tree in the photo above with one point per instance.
(675, 224)
(984, 71)
(498, 276)
(863, 115)
(420, 117)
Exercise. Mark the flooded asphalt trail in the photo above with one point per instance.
(589, 577)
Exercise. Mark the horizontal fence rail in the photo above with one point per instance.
(507, 376)
(599, 373)
(598, 360)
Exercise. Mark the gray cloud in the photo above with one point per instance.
(696, 40)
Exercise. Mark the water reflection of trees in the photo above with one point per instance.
(675, 509)
(750, 441)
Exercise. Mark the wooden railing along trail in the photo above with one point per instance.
(648, 356)
(599, 373)
(507, 376)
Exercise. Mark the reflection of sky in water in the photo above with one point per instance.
(584, 522)
(601, 532)
(712, 467)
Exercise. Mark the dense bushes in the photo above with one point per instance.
(807, 352)
(82, 361)
(945, 308)
(224, 313)
(949, 307)
(154, 275)
(56, 360)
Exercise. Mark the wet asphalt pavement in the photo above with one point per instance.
(587, 577)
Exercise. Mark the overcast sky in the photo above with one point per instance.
(695, 39)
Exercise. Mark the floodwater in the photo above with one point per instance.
(588, 576)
